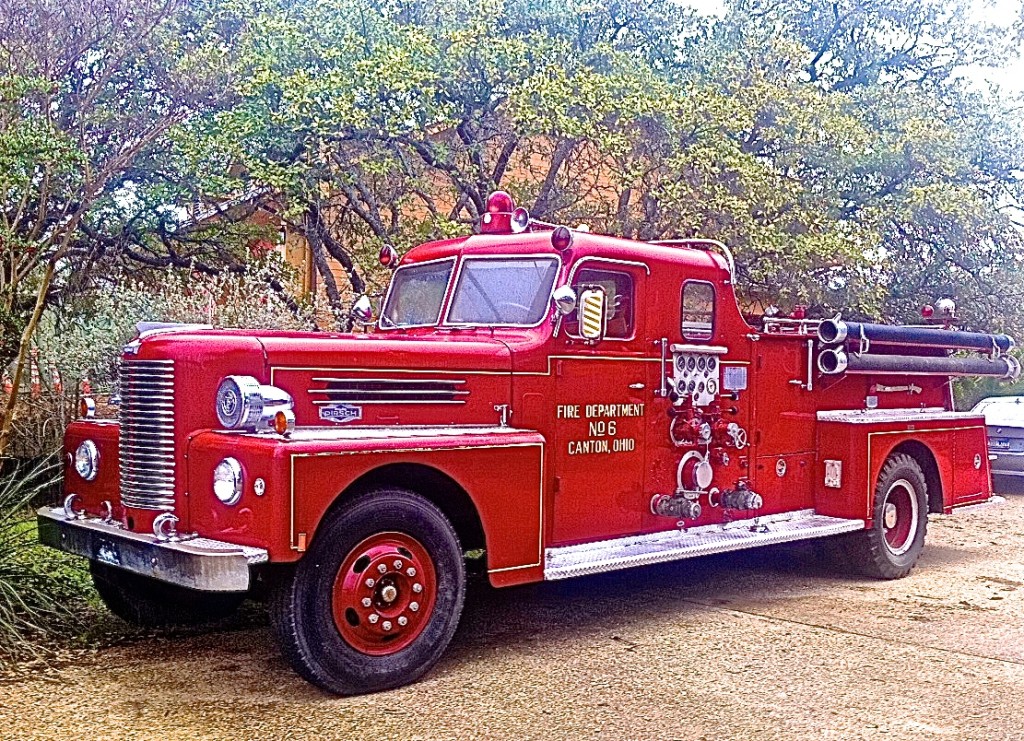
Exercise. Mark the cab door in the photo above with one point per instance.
(600, 411)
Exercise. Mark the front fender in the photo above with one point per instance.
(501, 469)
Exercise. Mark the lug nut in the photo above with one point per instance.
(367, 602)
(417, 588)
(402, 620)
(414, 606)
(382, 569)
(386, 625)
(411, 571)
(398, 565)
(370, 583)
(373, 618)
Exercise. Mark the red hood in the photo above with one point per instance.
(391, 378)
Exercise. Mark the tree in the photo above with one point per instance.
(87, 88)
(832, 145)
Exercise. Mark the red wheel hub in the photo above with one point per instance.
(384, 593)
(900, 517)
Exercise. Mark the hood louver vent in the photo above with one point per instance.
(388, 391)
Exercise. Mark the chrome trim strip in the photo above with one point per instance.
(362, 402)
(357, 379)
(391, 392)
(875, 416)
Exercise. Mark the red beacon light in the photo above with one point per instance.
(927, 311)
(500, 202)
(502, 216)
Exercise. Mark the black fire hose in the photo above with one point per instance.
(835, 360)
(836, 331)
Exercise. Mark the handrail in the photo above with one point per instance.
(702, 244)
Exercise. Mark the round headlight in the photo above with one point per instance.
(239, 402)
(227, 481)
(87, 460)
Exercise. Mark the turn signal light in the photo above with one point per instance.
(284, 420)
(86, 408)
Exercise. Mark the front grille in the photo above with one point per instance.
(147, 434)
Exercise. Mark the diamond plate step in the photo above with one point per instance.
(641, 550)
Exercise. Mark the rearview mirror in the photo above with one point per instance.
(564, 299)
(592, 316)
(362, 311)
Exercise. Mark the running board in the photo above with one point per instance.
(672, 545)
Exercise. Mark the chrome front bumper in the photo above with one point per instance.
(196, 563)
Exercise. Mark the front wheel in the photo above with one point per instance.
(889, 549)
(376, 600)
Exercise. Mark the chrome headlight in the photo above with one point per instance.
(87, 460)
(227, 481)
(239, 402)
(243, 403)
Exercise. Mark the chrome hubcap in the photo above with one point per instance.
(890, 515)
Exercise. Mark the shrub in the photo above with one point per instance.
(40, 589)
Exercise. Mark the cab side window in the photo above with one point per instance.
(697, 313)
(618, 288)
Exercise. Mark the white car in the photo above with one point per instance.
(1004, 417)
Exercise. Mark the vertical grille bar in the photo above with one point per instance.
(147, 449)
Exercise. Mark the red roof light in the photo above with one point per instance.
(500, 202)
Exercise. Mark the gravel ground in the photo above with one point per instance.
(762, 644)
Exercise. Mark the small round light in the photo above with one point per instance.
(227, 481)
(239, 402)
(388, 256)
(284, 420)
(561, 238)
(500, 202)
(87, 460)
(86, 408)
(927, 311)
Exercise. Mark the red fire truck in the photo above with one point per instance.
(562, 402)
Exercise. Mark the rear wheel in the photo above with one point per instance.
(889, 549)
(147, 602)
(376, 600)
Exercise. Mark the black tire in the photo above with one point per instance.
(147, 602)
(889, 549)
(330, 645)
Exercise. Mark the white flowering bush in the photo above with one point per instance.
(84, 340)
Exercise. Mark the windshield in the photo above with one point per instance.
(417, 293)
(507, 291)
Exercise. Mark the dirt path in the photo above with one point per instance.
(763, 644)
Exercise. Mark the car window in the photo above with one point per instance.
(697, 310)
(620, 314)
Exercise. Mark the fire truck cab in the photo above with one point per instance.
(554, 402)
